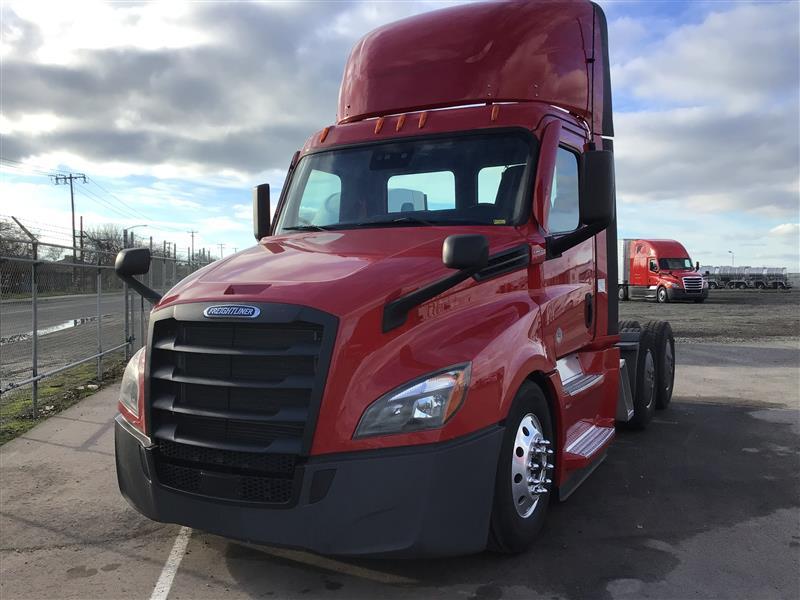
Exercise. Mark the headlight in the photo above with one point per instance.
(426, 403)
(129, 389)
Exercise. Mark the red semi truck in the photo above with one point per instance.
(414, 372)
(660, 270)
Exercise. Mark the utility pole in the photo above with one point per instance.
(221, 246)
(191, 256)
(63, 180)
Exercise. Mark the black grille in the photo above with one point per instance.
(233, 403)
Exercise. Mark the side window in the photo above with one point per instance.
(321, 196)
(421, 191)
(564, 215)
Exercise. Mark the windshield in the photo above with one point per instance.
(475, 179)
(675, 264)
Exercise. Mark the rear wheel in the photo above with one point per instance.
(664, 355)
(741, 286)
(760, 285)
(661, 295)
(713, 285)
(629, 325)
(523, 485)
(644, 399)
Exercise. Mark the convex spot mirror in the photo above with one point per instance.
(132, 261)
(465, 251)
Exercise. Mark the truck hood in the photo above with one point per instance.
(334, 271)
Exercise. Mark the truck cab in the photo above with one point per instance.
(660, 270)
(421, 350)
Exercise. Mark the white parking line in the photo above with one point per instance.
(164, 583)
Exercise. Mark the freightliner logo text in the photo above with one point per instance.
(239, 311)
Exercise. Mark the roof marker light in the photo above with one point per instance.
(495, 112)
(379, 125)
(423, 118)
(400, 122)
(324, 134)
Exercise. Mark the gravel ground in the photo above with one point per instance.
(728, 316)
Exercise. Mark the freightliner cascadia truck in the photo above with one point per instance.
(658, 269)
(422, 351)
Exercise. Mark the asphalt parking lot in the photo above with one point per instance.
(705, 503)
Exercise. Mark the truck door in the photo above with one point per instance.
(569, 279)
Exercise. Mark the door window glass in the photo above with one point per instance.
(564, 215)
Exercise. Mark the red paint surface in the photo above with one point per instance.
(477, 53)
(506, 327)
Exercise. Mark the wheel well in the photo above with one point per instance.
(544, 384)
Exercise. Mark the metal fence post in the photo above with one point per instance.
(99, 322)
(35, 324)
(127, 302)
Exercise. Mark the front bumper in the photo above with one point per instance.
(432, 500)
(677, 294)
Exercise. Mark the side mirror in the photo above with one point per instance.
(596, 202)
(465, 251)
(261, 211)
(135, 261)
(597, 193)
(132, 261)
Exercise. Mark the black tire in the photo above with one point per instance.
(644, 399)
(661, 295)
(741, 286)
(664, 353)
(713, 285)
(629, 325)
(699, 300)
(760, 285)
(509, 532)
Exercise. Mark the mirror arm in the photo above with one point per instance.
(396, 311)
(149, 294)
(556, 245)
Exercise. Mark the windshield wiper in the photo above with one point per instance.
(404, 220)
(306, 228)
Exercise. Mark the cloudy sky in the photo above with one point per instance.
(175, 110)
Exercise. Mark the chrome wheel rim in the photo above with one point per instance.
(529, 466)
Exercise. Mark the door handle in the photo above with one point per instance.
(588, 309)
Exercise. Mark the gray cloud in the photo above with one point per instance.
(269, 75)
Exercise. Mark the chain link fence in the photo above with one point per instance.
(63, 307)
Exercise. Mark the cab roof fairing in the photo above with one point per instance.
(551, 52)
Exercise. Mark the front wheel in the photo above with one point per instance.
(662, 296)
(523, 484)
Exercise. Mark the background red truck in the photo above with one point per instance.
(422, 349)
(658, 269)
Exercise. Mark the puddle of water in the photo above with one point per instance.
(21, 337)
